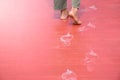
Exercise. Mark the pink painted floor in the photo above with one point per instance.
(36, 45)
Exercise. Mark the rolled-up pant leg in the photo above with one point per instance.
(60, 4)
(75, 3)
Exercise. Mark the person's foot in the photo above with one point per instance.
(73, 15)
(64, 14)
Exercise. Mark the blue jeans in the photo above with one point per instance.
(62, 4)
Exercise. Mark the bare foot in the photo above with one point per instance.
(77, 23)
(73, 15)
(64, 14)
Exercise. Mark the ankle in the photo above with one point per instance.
(74, 10)
(63, 10)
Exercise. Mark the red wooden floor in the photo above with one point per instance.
(36, 45)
